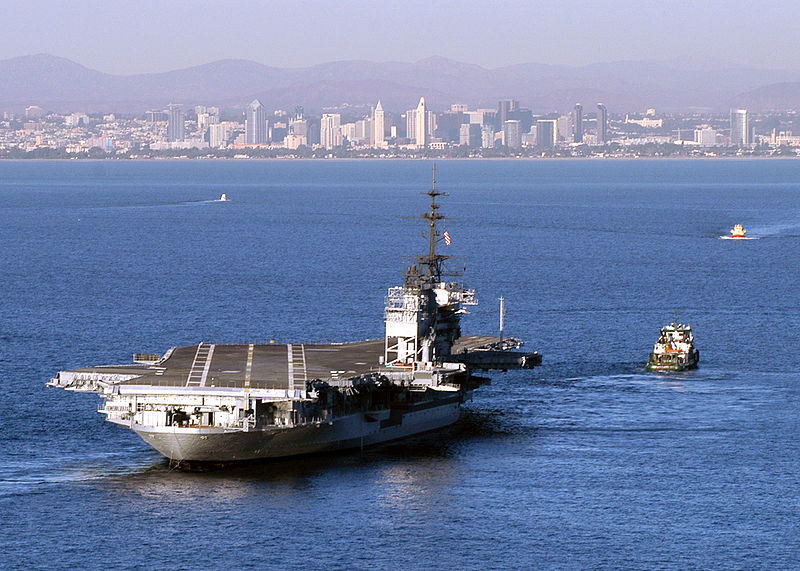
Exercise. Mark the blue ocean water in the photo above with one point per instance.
(586, 462)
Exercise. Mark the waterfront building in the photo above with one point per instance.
(504, 108)
(378, 127)
(298, 132)
(330, 131)
(469, 135)
(529, 138)
(206, 117)
(577, 123)
(176, 130)
(348, 133)
(363, 130)
(741, 135)
(218, 135)
(255, 125)
(705, 136)
(512, 134)
(418, 124)
(564, 129)
(602, 124)
(546, 133)
(487, 136)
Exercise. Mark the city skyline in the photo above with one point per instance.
(115, 39)
(508, 129)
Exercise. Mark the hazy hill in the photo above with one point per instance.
(61, 85)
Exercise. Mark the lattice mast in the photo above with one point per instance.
(434, 262)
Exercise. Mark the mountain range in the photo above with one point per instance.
(60, 85)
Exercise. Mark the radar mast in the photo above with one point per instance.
(431, 266)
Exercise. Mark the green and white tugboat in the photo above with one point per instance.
(674, 350)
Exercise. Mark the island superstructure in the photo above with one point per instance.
(226, 403)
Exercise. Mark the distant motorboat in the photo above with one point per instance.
(223, 197)
(738, 231)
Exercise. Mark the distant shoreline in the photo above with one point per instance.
(373, 159)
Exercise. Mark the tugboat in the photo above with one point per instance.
(738, 232)
(674, 350)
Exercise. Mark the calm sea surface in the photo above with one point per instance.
(586, 462)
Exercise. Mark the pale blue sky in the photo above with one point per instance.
(150, 36)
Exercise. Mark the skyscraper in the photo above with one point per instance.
(577, 123)
(740, 128)
(421, 124)
(255, 125)
(504, 108)
(330, 131)
(546, 133)
(602, 124)
(176, 130)
(512, 133)
(378, 127)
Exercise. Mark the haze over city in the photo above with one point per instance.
(120, 38)
(352, 79)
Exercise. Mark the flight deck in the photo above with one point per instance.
(265, 366)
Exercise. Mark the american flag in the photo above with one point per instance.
(447, 239)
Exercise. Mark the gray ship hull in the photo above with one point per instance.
(187, 444)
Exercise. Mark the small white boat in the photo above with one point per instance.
(223, 197)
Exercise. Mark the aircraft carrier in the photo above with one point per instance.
(210, 403)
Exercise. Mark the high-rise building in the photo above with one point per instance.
(512, 134)
(155, 116)
(546, 133)
(564, 129)
(255, 124)
(330, 131)
(469, 135)
(218, 134)
(176, 130)
(577, 123)
(504, 108)
(602, 124)
(298, 131)
(487, 136)
(206, 116)
(740, 128)
(378, 127)
(421, 124)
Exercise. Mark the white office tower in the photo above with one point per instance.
(705, 136)
(421, 127)
(255, 125)
(330, 131)
(740, 128)
(378, 127)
